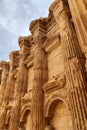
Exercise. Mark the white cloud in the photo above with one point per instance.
(15, 16)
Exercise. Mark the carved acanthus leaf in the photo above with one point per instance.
(4, 64)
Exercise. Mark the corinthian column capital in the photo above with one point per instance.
(60, 9)
(38, 29)
(4, 64)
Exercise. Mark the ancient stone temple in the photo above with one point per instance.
(44, 85)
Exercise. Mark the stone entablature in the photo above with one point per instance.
(44, 86)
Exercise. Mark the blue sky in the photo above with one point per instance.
(15, 16)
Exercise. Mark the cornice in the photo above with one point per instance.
(54, 84)
(29, 60)
(14, 55)
(26, 41)
(54, 4)
(14, 58)
(51, 42)
(38, 23)
(58, 6)
(39, 39)
(4, 64)
(51, 25)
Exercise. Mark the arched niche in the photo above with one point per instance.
(52, 100)
(59, 116)
(25, 120)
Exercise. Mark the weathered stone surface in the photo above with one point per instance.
(44, 85)
(74, 66)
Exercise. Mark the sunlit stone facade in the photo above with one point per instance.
(43, 86)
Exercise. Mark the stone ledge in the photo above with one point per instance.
(56, 83)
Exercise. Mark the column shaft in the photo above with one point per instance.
(37, 92)
(75, 75)
(3, 110)
(20, 89)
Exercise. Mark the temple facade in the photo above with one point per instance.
(44, 85)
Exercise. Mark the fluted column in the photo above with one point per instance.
(74, 66)
(9, 88)
(9, 92)
(20, 84)
(79, 14)
(37, 92)
(5, 72)
(37, 116)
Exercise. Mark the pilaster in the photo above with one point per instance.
(74, 59)
(79, 16)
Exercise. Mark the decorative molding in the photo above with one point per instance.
(4, 64)
(39, 39)
(29, 60)
(41, 23)
(23, 41)
(14, 59)
(54, 84)
(58, 5)
(23, 111)
(51, 42)
(51, 100)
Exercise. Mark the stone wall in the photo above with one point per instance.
(43, 87)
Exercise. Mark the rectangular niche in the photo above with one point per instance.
(55, 62)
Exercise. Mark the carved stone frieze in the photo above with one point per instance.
(55, 84)
(44, 86)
